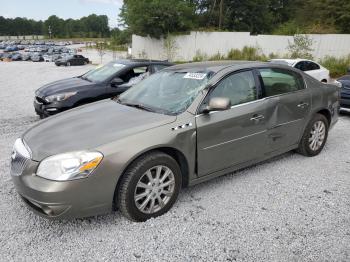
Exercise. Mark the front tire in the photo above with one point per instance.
(149, 187)
(314, 137)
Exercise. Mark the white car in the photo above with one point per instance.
(309, 67)
(47, 58)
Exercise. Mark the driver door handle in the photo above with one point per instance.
(303, 105)
(257, 117)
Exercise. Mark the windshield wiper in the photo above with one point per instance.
(143, 107)
(139, 106)
(85, 78)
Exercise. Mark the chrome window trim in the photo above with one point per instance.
(235, 106)
(233, 140)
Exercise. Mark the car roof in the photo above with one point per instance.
(214, 66)
(133, 62)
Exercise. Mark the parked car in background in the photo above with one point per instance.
(184, 125)
(26, 57)
(345, 91)
(11, 49)
(72, 60)
(16, 57)
(47, 58)
(6, 56)
(100, 83)
(309, 67)
(37, 57)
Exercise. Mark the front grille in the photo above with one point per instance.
(346, 87)
(18, 163)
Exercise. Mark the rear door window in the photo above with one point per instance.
(280, 81)
(301, 66)
(312, 66)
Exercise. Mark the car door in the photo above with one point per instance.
(292, 101)
(76, 60)
(237, 135)
(80, 59)
(310, 68)
(318, 72)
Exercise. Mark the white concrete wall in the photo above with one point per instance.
(210, 43)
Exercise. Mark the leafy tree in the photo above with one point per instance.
(157, 17)
(301, 47)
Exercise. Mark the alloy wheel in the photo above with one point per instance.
(154, 189)
(317, 135)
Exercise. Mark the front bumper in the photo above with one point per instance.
(58, 200)
(45, 110)
(59, 63)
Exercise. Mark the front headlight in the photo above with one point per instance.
(69, 166)
(59, 97)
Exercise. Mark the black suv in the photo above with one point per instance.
(345, 90)
(72, 60)
(100, 83)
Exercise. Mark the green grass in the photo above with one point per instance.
(336, 66)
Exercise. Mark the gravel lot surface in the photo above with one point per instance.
(291, 208)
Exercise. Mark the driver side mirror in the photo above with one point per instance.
(117, 82)
(217, 104)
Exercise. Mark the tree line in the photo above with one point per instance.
(158, 17)
(90, 26)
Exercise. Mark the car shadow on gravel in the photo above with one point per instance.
(187, 195)
(243, 172)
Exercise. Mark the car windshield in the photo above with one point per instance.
(102, 73)
(166, 92)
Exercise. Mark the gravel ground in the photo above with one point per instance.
(290, 208)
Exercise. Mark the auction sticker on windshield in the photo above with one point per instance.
(196, 76)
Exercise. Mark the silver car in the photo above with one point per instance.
(179, 127)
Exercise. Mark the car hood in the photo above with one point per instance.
(65, 85)
(88, 127)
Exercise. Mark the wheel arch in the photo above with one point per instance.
(178, 156)
(326, 113)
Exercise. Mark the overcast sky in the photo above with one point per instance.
(42, 9)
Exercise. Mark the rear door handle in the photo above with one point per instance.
(257, 118)
(303, 105)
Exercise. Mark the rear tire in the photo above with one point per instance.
(149, 187)
(314, 137)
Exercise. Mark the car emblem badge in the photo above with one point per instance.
(181, 127)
